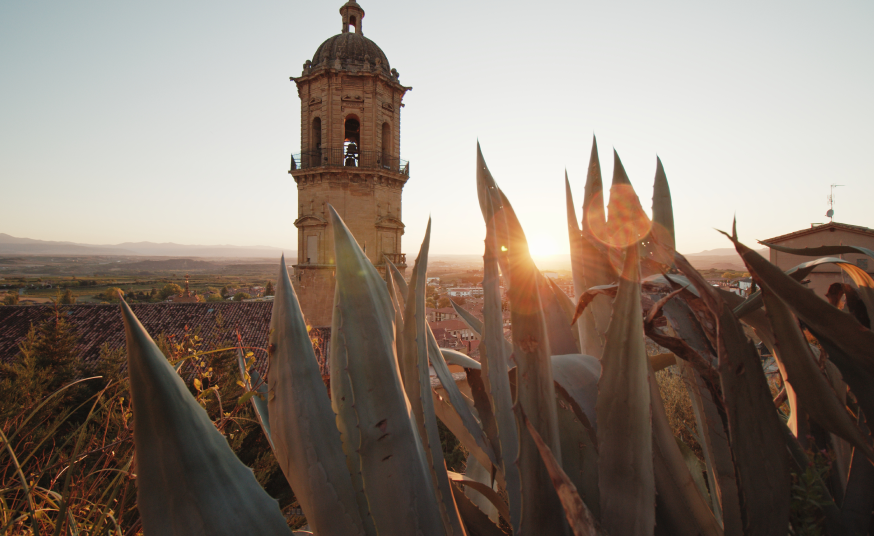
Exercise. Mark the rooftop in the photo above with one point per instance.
(101, 324)
(830, 227)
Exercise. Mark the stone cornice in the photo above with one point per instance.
(375, 177)
(310, 220)
(320, 72)
(389, 222)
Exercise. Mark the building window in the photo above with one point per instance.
(351, 142)
(312, 249)
(862, 263)
(352, 24)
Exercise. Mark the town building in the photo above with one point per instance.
(350, 125)
(186, 296)
(466, 292)
(827, 234)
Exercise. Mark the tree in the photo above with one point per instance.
(11, 298)
(460, 300)
(268, 289)
(240, 296)
(112, 294)
(53, 347)
(170, 289)
(443, 302)
(67, 298)
(224, 291)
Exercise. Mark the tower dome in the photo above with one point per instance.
(350, 50)
(353, 50)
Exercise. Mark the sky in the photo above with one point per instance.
(174, 121)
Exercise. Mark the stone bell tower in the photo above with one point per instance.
(350, 132)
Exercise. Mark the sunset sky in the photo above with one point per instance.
(174, 121)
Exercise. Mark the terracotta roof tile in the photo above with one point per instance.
(101, 324)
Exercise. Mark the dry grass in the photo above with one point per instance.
(678, 406)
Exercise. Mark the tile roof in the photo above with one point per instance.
(820, 228)
(448, 324)
(99, 324)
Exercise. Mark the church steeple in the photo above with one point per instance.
(352, 15)
(350, 137)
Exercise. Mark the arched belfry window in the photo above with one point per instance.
(352, 24)
(316, 142)
(351, 142)
(386, 145)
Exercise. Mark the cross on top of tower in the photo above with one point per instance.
(352, 15)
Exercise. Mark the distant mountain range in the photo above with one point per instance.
(11, 245)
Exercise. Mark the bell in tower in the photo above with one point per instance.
(350, 117)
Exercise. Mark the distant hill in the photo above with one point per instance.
(11, 245)
(720, 259)
(169, 264)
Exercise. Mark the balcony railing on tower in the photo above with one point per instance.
(343, 158)
(397, 258)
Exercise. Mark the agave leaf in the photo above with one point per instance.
(454, 394)
(820, 251)
(307, 443)
(593, 202)
(475, 471)
(457, 358)
(399, 318)
(541, 512)
(623, 408)
(859, 276)
(596, 318)
(696, 469)
(259, 402)
(663, 211)
(558, 326)
(684, 510)
(189, 480)
(476, 522)
(805, 378)
(847, 342)
(588, 296)
(578, 266)
(859, 495)
(579, 517)
(597, 269)
(627, 223)
(399, 280)
(579, 452)
(762, 475)
(702, 384)
(496, 357)
(567, 307)
(394, 467)
(576, 385)
(662, 361)
(342, 403)
(447, 414)
(421, 401)
(576, 376)
(487, 491)
(483, 406)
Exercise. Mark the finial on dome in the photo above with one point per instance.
(352, 15)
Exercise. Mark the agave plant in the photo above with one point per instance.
(565, 425)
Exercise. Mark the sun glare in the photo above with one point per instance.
(542, 245)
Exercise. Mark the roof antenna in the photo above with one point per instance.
(831, 203)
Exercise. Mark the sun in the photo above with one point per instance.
(542, 245)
